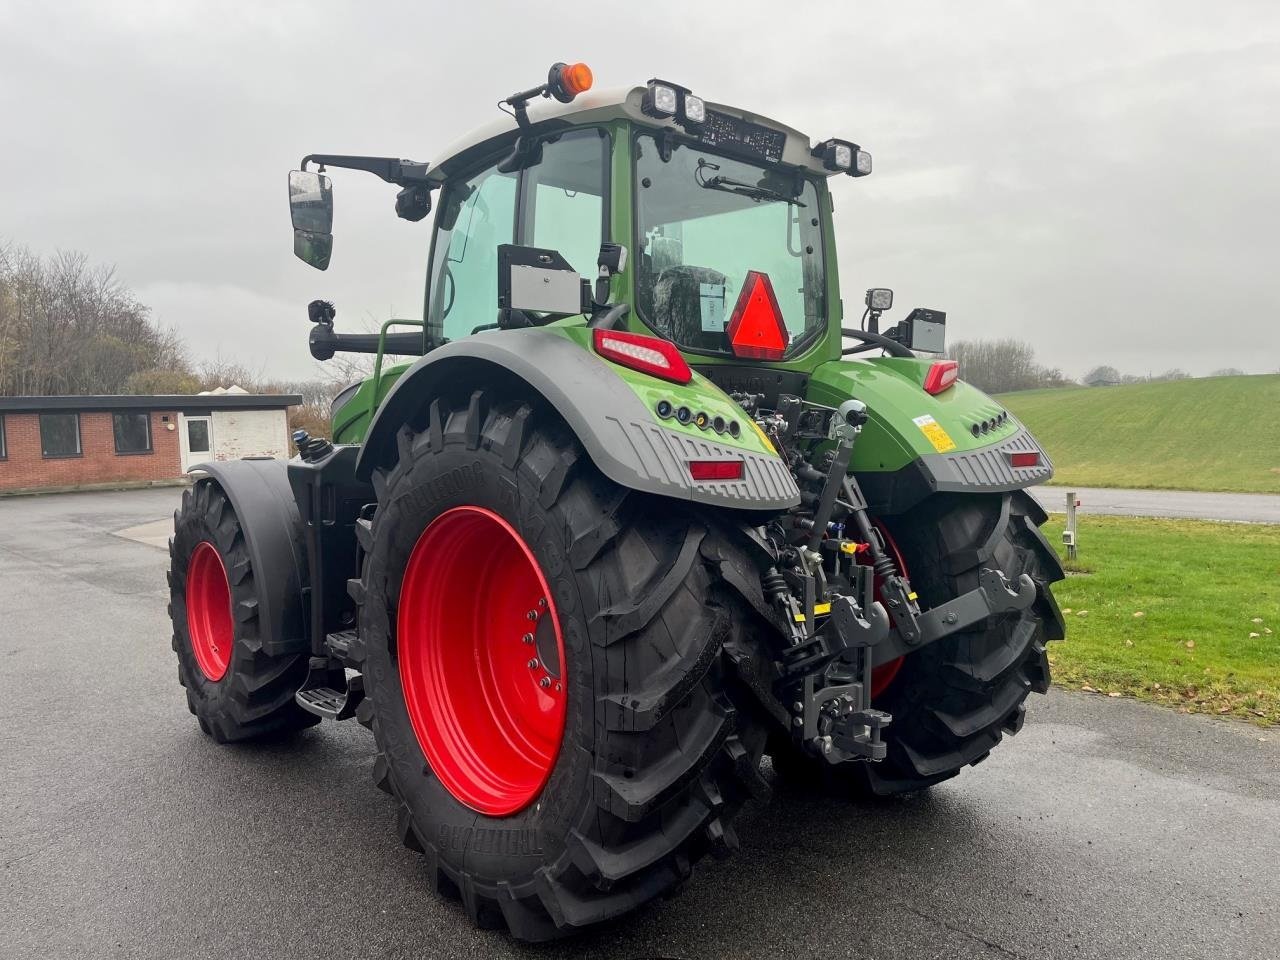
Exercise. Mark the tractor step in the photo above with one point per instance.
(330, 704)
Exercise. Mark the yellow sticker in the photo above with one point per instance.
(819, 609)
(933, 431)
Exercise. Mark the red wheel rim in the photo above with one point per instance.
(209, 620)
(883, 675)
(481, 661)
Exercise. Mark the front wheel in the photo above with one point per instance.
(953, 701)
(237, 686)
(543, 661)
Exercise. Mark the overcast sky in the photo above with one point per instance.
(1101, 179)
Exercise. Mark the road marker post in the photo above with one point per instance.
(1069, 534)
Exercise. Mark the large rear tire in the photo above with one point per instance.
(235, 688)
(624, 761)
(953, 701)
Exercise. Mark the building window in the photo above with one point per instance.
(133, 432)
(4, 450)
(60, 435)
(198, 434)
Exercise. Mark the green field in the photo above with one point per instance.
(1183, 612)
(1219, 433)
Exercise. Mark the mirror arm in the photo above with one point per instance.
(404, 173)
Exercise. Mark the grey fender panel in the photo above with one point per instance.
(263, 500)
(616, 430)
(989, 468)
(985, 470)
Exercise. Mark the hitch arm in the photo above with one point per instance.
(995, 594)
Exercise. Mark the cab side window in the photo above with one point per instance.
(557, 203)
(564, 199)
(479, 214)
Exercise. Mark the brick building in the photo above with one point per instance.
(69, 442)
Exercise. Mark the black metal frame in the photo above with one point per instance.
(115, 436)
(79, 436)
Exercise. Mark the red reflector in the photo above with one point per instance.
(941, 375)
(1024, 459)
(716, 469)
(651, 355)
(755, 328)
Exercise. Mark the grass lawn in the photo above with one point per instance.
(1217, 433)
(1183, 612)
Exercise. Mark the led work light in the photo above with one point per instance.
(843, 155)
(663, 99)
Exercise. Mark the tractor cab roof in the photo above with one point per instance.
(602, 106)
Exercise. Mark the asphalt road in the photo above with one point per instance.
(1106, 829)
(1241, 507)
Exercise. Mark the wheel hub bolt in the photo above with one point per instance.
(527, 638)
(532, 614)
(542, 602)
(544, 682)
(798, 707)
(533, 664)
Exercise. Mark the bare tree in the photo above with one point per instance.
(1002, 366)
(67, 327)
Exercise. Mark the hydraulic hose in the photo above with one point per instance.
(874, 340)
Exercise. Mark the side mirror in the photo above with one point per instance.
(542, 281)
(923, 330)
(311, 210)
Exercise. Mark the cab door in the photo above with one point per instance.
(557, 202)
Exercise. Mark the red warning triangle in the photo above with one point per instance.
(756, 329)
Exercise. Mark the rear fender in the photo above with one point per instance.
(617, 429)
(259, 492)
(916, 444)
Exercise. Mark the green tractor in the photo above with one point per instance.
(633, 518)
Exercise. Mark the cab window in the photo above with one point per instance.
(564, 199)
(558, 203)
(479, 215)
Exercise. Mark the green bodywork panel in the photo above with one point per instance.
(893, 390)
(351, 422)
(700, 395)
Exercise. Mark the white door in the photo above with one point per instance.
(195, 440)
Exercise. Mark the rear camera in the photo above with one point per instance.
(701, 421)
(684, 415)
(664, 409)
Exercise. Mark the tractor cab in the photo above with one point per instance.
(710, 223)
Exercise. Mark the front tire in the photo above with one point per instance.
(235, 687)
(651, 758)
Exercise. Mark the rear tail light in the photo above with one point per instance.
(1024, 459)
(942, 374)
(651, 355)
(715, 469)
